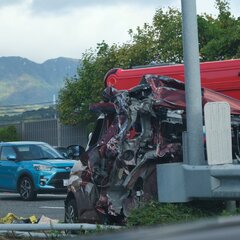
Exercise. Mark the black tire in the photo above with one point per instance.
(26, 189)
(71, 215)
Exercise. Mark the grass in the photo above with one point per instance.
(159, 213)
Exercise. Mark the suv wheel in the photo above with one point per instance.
(26, 189)
(71, 211)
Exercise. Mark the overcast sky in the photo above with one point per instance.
(44, 29)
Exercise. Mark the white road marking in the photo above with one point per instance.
(47, 207)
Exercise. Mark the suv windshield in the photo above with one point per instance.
(36, 151)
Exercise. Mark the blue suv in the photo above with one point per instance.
(32, 167)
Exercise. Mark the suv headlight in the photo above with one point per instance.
(40, 167)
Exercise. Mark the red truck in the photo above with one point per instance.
(220, 76)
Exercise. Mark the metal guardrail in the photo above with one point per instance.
(56, 226)
(49, 230)
(220, 228)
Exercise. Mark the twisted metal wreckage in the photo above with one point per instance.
(139, 128)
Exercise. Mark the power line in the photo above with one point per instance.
(29, 104)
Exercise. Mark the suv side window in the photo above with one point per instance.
(7, 151)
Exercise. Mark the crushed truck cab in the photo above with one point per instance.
(138, 128)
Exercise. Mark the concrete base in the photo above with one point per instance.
(179, 182)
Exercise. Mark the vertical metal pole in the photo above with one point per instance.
(59, 136)
(54, 106)
(195, 147)
(23, 130)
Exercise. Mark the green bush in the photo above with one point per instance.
(8, 133)
(165, 213)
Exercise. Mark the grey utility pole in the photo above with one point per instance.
(195, 149)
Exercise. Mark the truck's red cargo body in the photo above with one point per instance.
(220, 76)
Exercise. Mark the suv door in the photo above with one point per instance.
(8, 168)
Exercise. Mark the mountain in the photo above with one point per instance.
(25, 82)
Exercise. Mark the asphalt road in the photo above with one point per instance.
(51, 206)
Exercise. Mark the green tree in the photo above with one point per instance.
(8, 133)
(161, 41)
(86, 88)
(220, 37)
(168, 35)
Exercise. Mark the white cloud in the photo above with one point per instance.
(38, 31)
(50, 36)
(55, 6)
(12, 2)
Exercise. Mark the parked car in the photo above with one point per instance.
(32, 167)
(63, 151)
(70, 152)
(75, 151)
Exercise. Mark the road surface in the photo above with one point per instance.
(48, 205)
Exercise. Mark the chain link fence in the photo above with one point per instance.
(52, 132)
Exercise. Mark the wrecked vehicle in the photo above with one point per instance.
(136, 130)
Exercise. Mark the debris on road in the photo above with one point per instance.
(12, 218)
(46, 220)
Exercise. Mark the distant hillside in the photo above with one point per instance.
(25, 82)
